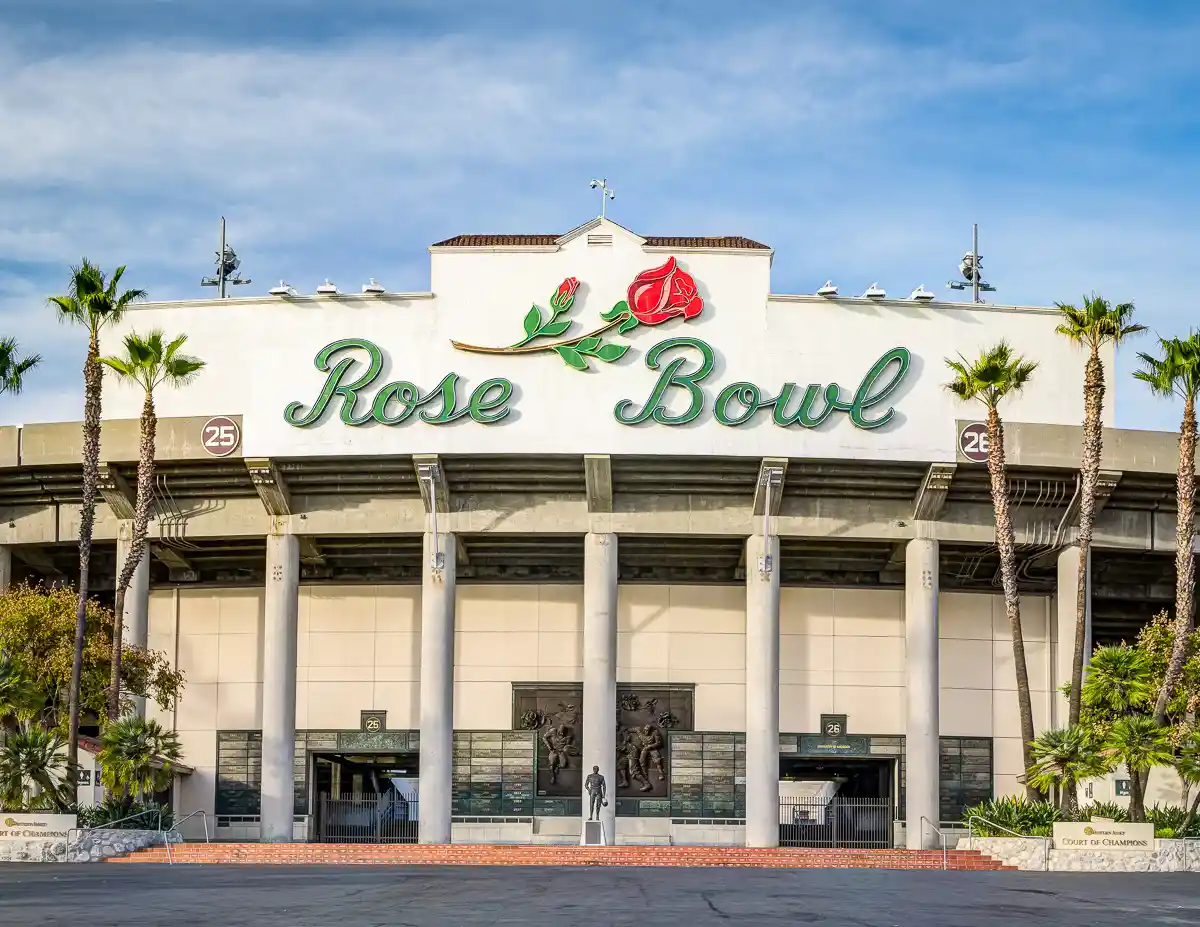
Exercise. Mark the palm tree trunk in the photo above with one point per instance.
(1070, 802)
(1006, 542)
(1089, 476)
(93, 380)
(1185, 561)
(141, 522)
(1191, 816)
(1137, 801)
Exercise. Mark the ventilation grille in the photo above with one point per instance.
(601, 240)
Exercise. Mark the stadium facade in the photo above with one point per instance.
(598, 499)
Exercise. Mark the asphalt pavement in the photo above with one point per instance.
(450, 896)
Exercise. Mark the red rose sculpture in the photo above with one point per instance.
(565, 294)
(663, 293)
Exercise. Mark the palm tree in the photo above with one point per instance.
(18, 699)
(1062, 759)
(33, 771)
(988, 379)
(148, 362)
(1096, 324)
(1118, 683)
(1177, 373)
(14, 368)
(1140, 744)
(137, 756)
(1187, 765)
(92, 301)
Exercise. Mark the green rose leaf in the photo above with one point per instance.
(571, 356)
(533, 321)
(611, 352)
(615, 311)
(554, 328)
(628, 325)
(587, 345)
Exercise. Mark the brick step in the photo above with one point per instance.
(540, 855)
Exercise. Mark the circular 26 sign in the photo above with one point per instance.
(221, 436)
(973, 442)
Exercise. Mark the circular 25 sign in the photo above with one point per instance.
(221, 436)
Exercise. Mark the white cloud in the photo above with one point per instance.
(345, 159)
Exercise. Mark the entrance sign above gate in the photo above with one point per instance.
(834, 746)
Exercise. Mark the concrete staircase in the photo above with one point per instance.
(499, 855)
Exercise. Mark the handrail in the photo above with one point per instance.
(174, 829)
(937, 830)
(993, 824)
(110, 824)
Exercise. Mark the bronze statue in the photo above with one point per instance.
(560, 744)
(629, 762)
(597, 791)
(651, 751)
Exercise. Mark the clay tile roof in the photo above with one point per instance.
(692, 241)
(711, 241)
(492, 241)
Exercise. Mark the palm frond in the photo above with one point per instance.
(92, 300)
(991, 376)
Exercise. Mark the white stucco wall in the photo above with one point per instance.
(842, 650)
(260, 355)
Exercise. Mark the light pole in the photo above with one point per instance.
(972, 270)
(227, 265)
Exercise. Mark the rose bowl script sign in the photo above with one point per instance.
(23, 828)
(1103, 835)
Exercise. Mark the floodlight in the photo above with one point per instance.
(828, 289)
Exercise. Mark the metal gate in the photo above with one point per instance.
(836, 822)
(386, 819)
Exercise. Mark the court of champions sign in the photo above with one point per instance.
(1104, 835)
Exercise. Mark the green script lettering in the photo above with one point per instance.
(673, 375)
(739, 402)
(396, 402)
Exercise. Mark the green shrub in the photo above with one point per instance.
(1171, 818)
(1019, 815)
(1103, 809)
(1164, 833)
(113, 809)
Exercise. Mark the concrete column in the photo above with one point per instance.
(5, 567)
(922, 728)
(279, 687)
(762, 694)
(600, 668)
(1063, 633)
(437, 691)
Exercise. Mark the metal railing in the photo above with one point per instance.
(387, 819)
(174, 829)
(110, 825)
(992, 824)
(836, 822)
(942, 834)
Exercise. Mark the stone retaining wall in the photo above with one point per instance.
(1029, 853)
(105, 843)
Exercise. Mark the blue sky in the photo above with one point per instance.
(859, 139)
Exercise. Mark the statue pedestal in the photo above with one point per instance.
(593, 834)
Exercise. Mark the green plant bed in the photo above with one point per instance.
(1037, 818)
(111, 810)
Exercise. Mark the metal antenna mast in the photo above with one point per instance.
(972, 270)
(606, 194)
(227, 266)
